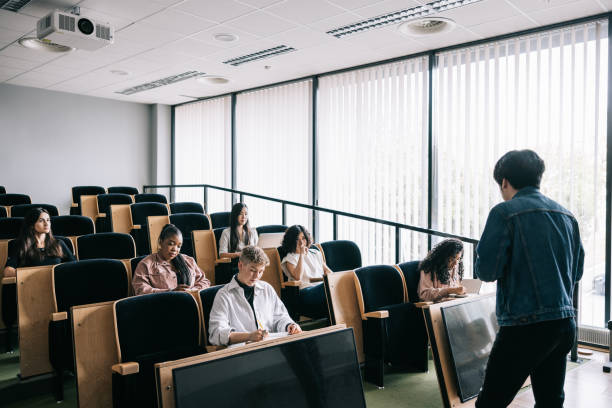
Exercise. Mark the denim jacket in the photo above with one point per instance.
(531, 246)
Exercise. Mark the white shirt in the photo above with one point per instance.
(232, 312)
(312, 265)
(224, 241)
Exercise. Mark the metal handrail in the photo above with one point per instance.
(335, 213)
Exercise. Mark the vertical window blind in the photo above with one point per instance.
(372, 155)
(202, 143)
(546, 92)
(274, 150)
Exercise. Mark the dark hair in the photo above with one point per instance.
(522, 168)
(437, 259)
(183, 275)
(27, 252)
(290, 238)
(236, 210)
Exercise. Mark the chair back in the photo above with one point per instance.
(135, 261)
(123, 190)
(381, 285)
(207, 298)
(20, 210)
(10, 227)
(341, 255)
(412, 275)
(186, 223)
(140, 212)
(78, 191)
(3, 212)
(155, 328)
(150, 198)
(72, 225)
(12, 245)
(106, 200)
(186, 207)
(14, 199)
(2, 190)
(109, 245)
(220, 219)
(218, 232)
(270, 229)
(90, 281)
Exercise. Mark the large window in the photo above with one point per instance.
(274, 150)
(546, 92)
(202, 143)
(372, 155)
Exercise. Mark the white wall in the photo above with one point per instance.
(51, 141)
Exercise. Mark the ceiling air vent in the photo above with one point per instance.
(399, 16)
(161, 82)
(270, 52)
(13, 5)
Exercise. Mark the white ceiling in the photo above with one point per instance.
(158, 38)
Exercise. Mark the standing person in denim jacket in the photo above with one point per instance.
(531, 246)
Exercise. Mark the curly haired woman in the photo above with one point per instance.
(442, 271)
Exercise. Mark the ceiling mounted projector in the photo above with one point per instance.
(75, 31)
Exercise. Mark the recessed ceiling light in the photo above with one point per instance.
(119, 72)
(213, 79)
(427, 26)
(42, 45)
(226, 37)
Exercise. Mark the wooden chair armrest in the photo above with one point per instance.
(423, 304)
(9, 279)
(101, 215)
(56, 317)
(222, 261)
(290, 284)
(74, 205)
(137, 226)
(126, 368)
(316, 279)
(210, 349)
(379, 314)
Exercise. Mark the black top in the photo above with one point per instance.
(249, 294)
(14, 260)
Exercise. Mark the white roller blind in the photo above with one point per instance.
(273, 150)
(372, 155)
(546, 92)
(203, 151)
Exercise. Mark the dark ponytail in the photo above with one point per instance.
(183, 275)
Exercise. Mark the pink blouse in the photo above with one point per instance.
(433, 290)
(154, 274)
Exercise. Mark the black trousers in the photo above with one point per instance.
(538, 350)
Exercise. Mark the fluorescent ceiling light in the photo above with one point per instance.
(270, 52)
(161, 82)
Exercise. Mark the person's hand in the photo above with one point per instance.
(258, 335)
(182, 288)
(294, 329)
(459, 290)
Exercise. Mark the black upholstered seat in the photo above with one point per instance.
(12, 245)
(78, 191)
(72, 225)
(341, 255)
(79, 283)
(3, 213)
(123, 190)
(10, 227)
(150, 329)
(111, 245)
(150, 198)
(207, 298)
(220, 219)
(187, 223)
(2, 190)
(412, 275)
(14, 199)
(186, 207)
(140, 212)
(104, 223)
(134, 262)
(270, 229)
(400, 339)
(20, 210)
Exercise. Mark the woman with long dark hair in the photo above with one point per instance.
(442, 271)
(36, 245)
(300, 263)
(238, 235)
(168, 269)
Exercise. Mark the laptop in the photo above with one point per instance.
(472, 285)
(270, 240)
